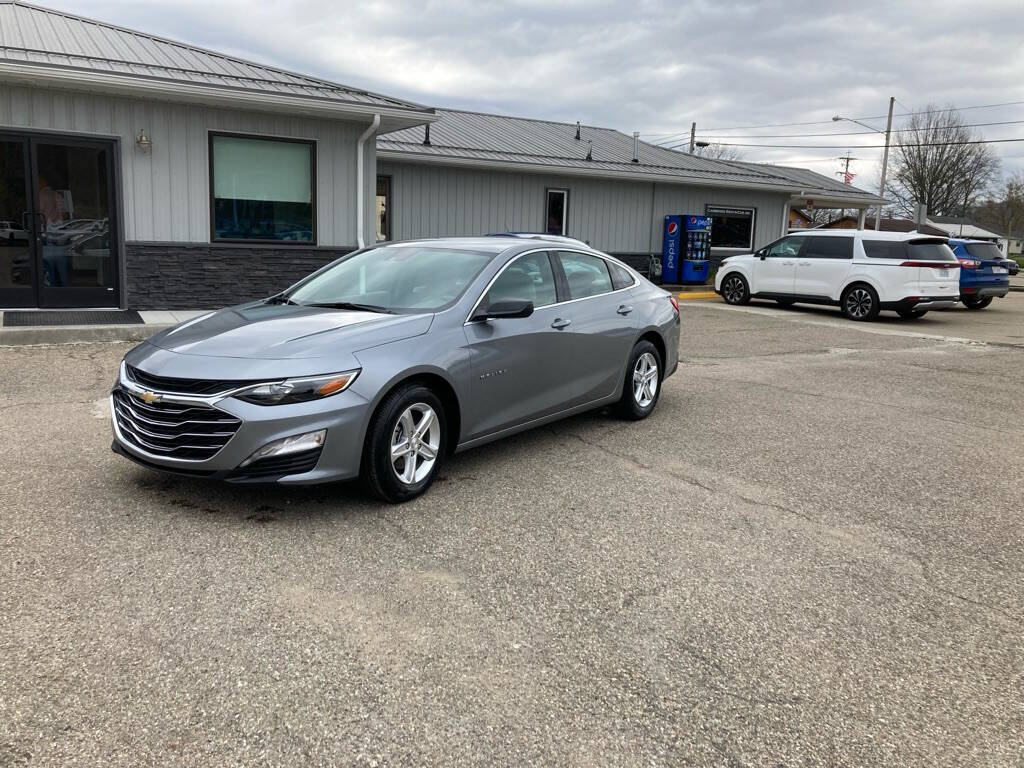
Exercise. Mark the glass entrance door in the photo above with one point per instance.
(57, 226)
(73, 187)
(17, 254)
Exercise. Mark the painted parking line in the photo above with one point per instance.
(687, 295)
(846, 325)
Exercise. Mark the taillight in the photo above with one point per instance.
(969, 263)
(675, 302)
(931, 264)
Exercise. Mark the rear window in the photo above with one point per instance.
(828, 248)
(929, 250)
(984, 251)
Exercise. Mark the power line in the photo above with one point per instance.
(850, 133)
(826, 122)
(869, 146)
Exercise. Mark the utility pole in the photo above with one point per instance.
(847, 176)
(693, 136)
(885, 162)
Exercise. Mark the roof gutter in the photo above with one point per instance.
(360, 173)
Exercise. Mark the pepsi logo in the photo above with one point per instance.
(673, 227)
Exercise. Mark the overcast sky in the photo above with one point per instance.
(647, 66)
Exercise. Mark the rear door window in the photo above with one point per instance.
(586, 275)
(828, 248)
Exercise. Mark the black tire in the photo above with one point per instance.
(735, 289)
(785, 302)
(860, 303)
(379, 473)
(912, 314)
(977, 303)
(631, 406)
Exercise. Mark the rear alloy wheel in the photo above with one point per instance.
(735, 289)
(643, 382)
(860, 302)
(404, 444)
(912, 314)
(977, 303)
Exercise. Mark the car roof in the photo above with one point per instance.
(869, 233)
(494, 243)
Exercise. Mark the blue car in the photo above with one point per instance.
(983, 276)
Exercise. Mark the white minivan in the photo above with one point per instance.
(860, 271)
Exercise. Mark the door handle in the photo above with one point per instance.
(805, 263)
(788, 263)
(560, 323)
(624, 309)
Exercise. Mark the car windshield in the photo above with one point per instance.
(395, 278)
(984, 251)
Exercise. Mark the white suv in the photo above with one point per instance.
(860, 271)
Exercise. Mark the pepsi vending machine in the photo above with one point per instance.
(670, 249)
(698, 249)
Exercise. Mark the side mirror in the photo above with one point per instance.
(504, 309)
(762, 254)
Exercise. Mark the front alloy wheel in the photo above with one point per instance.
(405, 443)
(415, 443)
(734, 290)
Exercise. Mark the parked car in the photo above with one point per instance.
(983, 274)
(11, 233)
(861, 271)
(384, 362)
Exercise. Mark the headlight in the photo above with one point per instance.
(298, 390)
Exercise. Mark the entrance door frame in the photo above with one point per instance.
(64, 298)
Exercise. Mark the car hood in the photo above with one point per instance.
(260, 331)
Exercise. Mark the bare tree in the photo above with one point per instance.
(716, 151)
(1003, 211)
(933, 164)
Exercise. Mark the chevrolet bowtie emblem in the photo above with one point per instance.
(150, 397)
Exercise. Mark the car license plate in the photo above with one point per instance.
(943, 273)
(1000, 271)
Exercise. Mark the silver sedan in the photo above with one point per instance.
(384, 362)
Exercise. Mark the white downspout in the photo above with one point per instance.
(360, 173)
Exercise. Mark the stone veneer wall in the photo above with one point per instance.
(205, 276)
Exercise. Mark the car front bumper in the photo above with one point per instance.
(343, 416)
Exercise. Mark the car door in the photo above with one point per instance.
(601, 329)
(823, 265)
(775, 269)
(518, 364)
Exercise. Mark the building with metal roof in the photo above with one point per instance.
(147, 173)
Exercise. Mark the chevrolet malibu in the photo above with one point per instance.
(386, 361)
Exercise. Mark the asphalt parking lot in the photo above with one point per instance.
(811, 554)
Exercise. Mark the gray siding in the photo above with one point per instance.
(622, 217)
(166, 191)
(438, 201)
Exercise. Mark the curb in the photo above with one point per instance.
(77, 334)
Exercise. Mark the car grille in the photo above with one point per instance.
(173, 430)
(186, 386)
